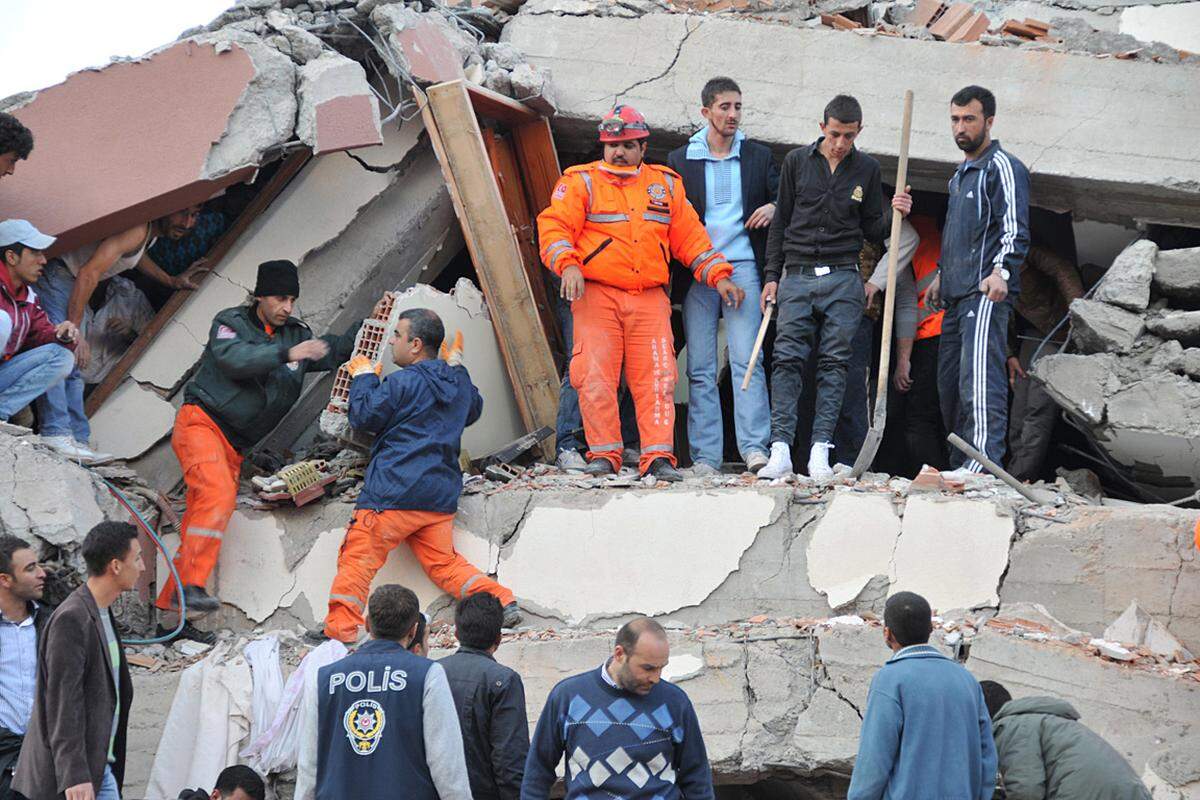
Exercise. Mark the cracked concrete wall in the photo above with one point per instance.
(1066, 116)
(572, 556)
(43, 496)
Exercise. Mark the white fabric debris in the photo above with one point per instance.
(263, 656)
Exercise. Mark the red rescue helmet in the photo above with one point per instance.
(623, 124)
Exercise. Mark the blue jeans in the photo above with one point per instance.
(569, 424)
(108, 787)
(60, 409)
(702, 310)
(29, 374)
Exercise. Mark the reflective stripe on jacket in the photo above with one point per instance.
(622, 227)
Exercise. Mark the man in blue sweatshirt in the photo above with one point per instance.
(625, 732)
(926, 733)
(413, 482)
(984, 243)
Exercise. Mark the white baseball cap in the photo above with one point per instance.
(19, 231)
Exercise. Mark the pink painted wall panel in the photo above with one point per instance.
(344, 123)
(133, 136)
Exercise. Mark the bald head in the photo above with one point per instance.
(640, 654)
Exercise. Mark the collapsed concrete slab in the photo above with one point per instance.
(84, 181)
(1079, 159)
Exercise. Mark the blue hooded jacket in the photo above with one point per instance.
(926, 734)
(417, 415)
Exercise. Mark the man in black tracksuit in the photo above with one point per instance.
(830, 200)
(984, 243)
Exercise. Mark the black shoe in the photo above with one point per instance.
(512, 613)
(188, 631)
(199, 600)
(661, 468)
(316, 635)
(599, 467)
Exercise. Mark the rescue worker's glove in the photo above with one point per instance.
(453, 355)
(361, 365)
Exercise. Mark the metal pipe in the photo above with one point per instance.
(1028, 492)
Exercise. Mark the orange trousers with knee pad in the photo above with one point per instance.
(210, 471)
(374, 534)
(615, 329)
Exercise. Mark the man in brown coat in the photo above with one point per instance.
(75, 746)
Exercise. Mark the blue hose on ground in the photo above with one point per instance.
(124, 501)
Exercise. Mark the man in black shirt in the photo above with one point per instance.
(830, 200)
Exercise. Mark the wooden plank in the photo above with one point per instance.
(458, 143)
(287, 170)
(512, 191)
(540, 169)
(494, 105)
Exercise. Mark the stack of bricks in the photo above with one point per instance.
(1031, 29)
(959, 22)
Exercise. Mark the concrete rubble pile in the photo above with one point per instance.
(1133, 380)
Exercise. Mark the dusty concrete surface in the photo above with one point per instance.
(1066, 116)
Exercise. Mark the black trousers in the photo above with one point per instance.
(918, 411)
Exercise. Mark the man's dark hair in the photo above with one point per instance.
(14, 137)
(478, 620)
(908, 616)
(968, 93)
(716, 86)
(631, 632)
(105, 542)
(844, 109)
(241, 777)
(15, 247)
(994, 697)
(427, 326)
(393, 610)
(419, 634)
(8, 546)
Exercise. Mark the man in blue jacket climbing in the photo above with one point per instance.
(413, 482)
(926, 732)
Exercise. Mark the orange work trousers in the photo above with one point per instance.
(210, 471)
(369, 539)
(617, 328)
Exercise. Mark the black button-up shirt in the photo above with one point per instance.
(823, 217)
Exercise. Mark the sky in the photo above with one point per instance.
(43, 40)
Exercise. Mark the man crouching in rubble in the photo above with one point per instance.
(250, 376)
(413, 482)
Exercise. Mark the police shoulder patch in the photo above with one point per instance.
(364, 722)
(226, 332)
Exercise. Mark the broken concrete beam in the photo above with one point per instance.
(1100, 328)
(1182, 326)
(504, 54)
(1094, 170)
(1126, 284)
(132, 421)
(47, 497)
(1080, 384)
(337, 109)
(430, 49)
(1177, 276)
(531, 85)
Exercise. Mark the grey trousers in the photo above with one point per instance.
(820, 312)
(1030, 420)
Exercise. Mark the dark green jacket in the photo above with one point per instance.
(1045, 752)
(245, 382)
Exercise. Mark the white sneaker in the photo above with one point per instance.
(702, 470)
(818, 461)
(779, 464)
(67, 446)
(756, 461)
(570, 461)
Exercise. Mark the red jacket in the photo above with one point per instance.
(30, 326)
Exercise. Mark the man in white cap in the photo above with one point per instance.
(35, 354)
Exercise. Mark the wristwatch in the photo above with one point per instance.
(1003, 273)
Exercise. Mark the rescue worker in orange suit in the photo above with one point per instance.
(610, 233)
(417, 415)
(250, 376)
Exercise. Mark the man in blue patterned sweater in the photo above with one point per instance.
(626, 733)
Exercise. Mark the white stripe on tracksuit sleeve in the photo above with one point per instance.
(443, 738)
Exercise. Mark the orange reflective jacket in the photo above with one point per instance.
(925, 265)
(621, 227)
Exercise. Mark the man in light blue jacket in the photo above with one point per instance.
(926, 733)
